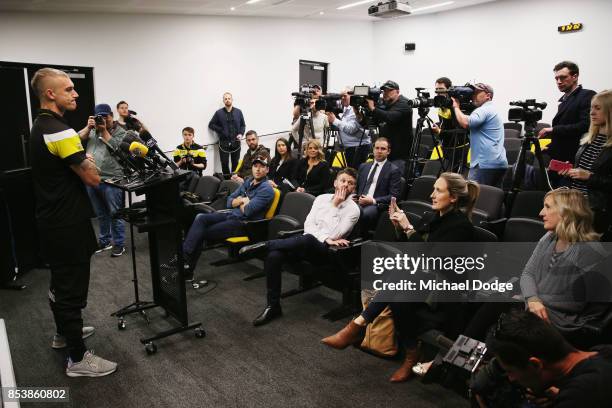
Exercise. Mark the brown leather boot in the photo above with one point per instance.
(405, 371)
(350, 334)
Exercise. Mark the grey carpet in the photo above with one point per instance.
(236, 365)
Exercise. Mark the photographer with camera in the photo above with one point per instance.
(126, 119)
(190, 155)
(533, 354)
(394, 118)
(454, 139)
(317, 118)
(228, 124)
(488, 162)
(105, 198)
(355, 140)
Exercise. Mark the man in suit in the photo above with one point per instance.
(377, 182)
(572, 118)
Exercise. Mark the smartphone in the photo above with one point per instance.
(557, 165)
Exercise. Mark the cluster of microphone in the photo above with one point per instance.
(140, 153)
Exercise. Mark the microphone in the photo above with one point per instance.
(138, 149)
(152, 145)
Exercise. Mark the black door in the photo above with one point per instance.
(313, 73)
(15, 128)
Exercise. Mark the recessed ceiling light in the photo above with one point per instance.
(252, 1)
(357, 3)
(321, 12)
(232, 8)
(432, 6)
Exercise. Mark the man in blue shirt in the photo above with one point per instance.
(355, 139)
(488, 162)
(249, 202)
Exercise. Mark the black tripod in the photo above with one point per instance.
(305, 118)
(413, 159)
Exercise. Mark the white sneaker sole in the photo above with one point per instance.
(74, 374)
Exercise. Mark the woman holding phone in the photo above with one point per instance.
(453, 199)
(593, 172)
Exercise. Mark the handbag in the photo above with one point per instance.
(380, 334)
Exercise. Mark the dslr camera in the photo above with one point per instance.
(99, 119)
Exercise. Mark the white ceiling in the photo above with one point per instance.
(319, 9)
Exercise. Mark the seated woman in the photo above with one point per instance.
(593, 172)
(553, 282)
(282, 166)
(453, 199)
(312, 172)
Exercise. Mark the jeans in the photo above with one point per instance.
(212, 227)
(106, 200)
(490, 177)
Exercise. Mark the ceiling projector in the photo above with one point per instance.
(389, 9)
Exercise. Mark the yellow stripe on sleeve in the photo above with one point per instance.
(63, 144)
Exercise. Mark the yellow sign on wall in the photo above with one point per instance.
(570, 27)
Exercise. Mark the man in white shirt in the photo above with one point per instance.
(329, 222)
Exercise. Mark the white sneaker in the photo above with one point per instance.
(59, 341)
(90, 366)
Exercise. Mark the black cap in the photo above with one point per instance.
(261, 159)
(390, 85)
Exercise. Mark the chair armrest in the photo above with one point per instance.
(354, 243)
(495, 226)
(287, 234)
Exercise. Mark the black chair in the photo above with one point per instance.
(541, 126)
(512, 157)
(207, 188)
(514, 125)
(432, 168)
(418, 200)
(528, 204)
(523, 230)
(489, 205)
(483, 235)
(193, 183)
(226, 188)
(512, 144)
(511, 134)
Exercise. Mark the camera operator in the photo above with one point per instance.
(395, 121)
(190, 155)
(319, 120)
(535, 355)
(126, 120)
(355, 140)
(228, 124)
(572, 119)
(488, 162)
(106, 199)
(454, 139)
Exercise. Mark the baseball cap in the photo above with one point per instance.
(261, 159)
(484, 87)
(103, 109)
(390, 85)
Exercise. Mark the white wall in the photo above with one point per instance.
(173, 70)
(512, 45)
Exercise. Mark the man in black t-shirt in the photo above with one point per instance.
(534, 354)
(60, 170)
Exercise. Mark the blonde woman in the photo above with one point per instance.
(593, 172)
(312, 172)
(552, 281)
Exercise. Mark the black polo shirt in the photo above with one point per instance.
(63, 209)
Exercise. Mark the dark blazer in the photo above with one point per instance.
(317, 181)
(285, 171)
(569, 124)
(388, 184)
(221, 126)
(600, 187)
(454, 226)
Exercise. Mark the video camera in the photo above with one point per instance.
(422, 100)
(331, 102)
(361, 93)
(304, 96)
(463, 94)
(528, 111)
